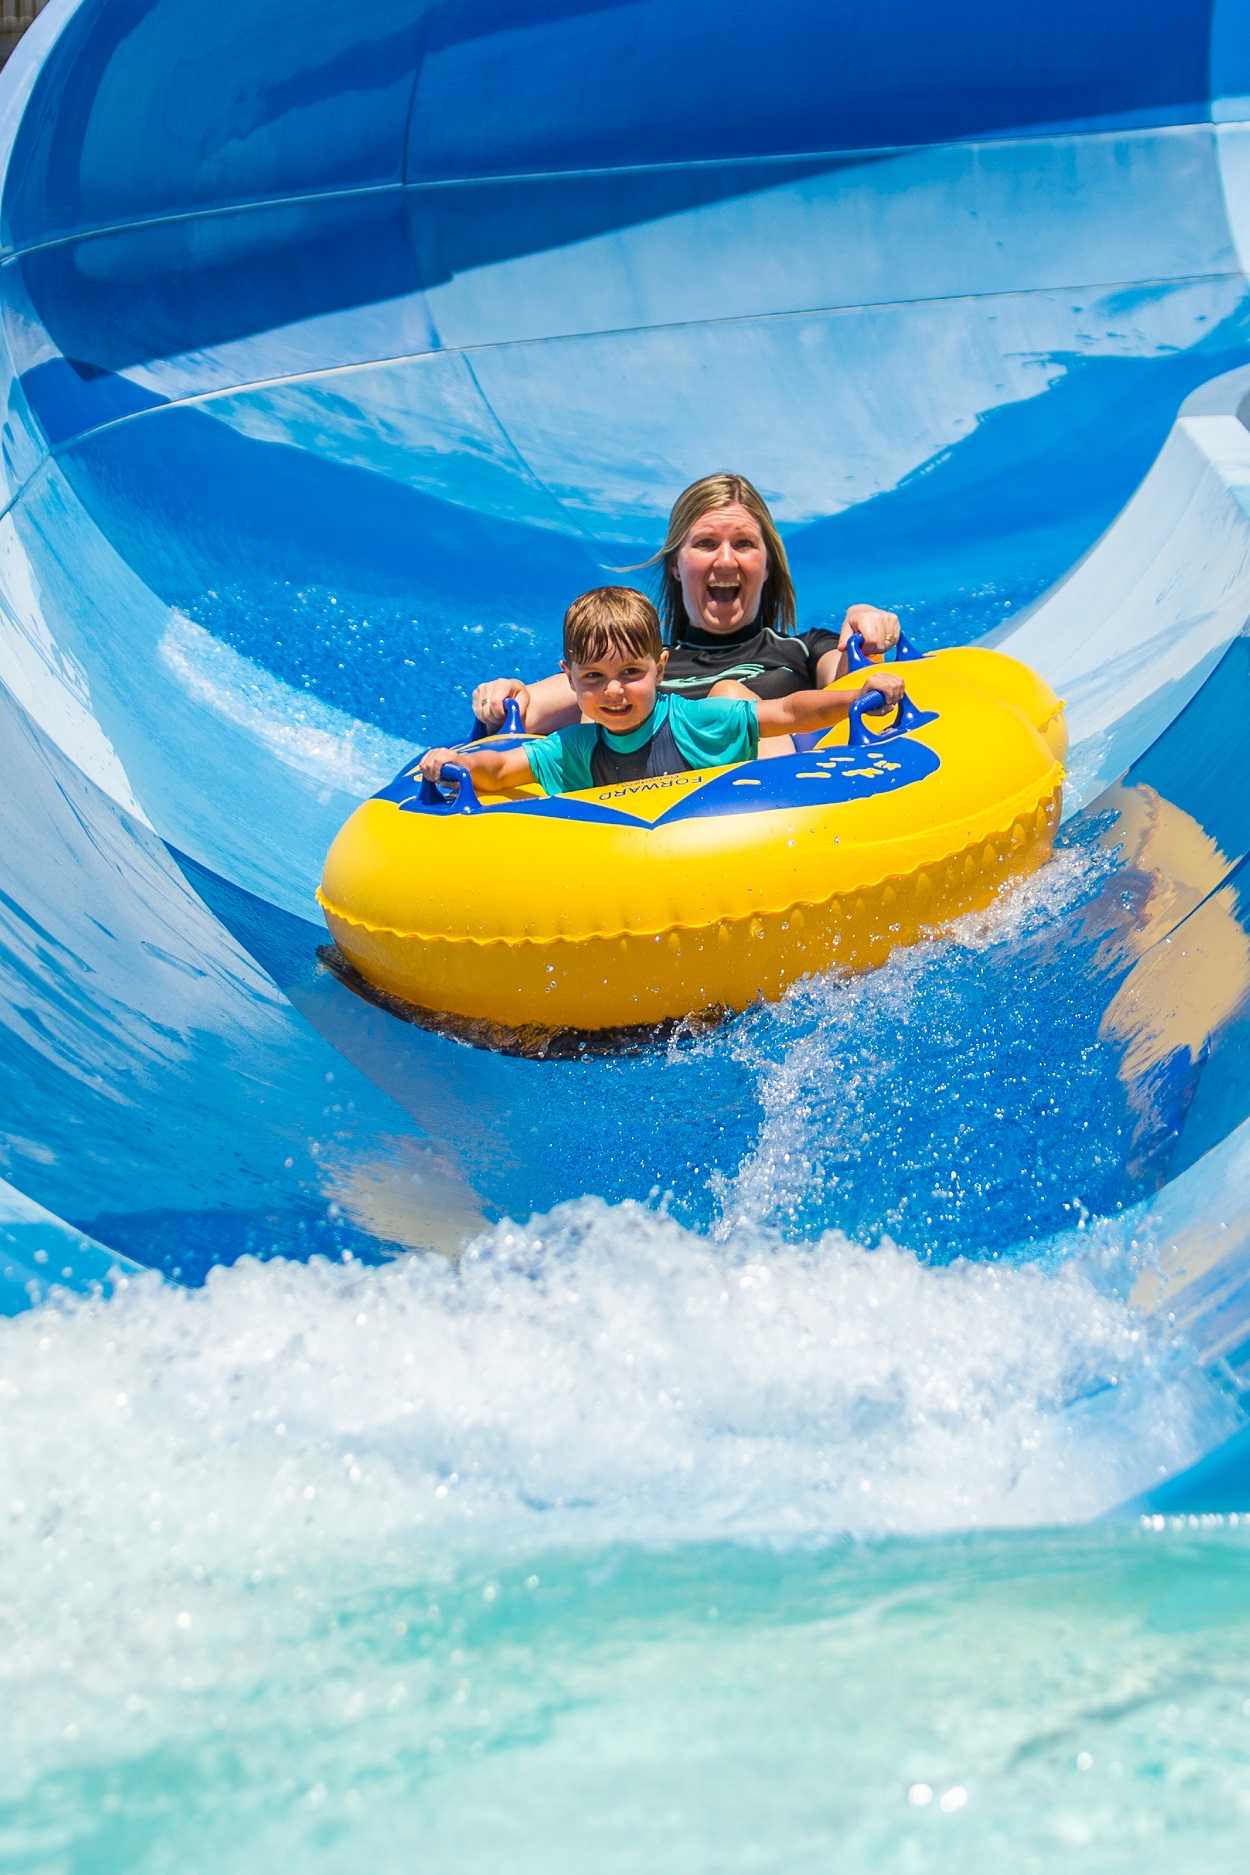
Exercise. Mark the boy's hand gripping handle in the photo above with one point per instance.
(466, 801)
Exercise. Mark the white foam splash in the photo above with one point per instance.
(821, 1082)
(599, 1373)
(319, 741)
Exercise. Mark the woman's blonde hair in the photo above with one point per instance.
(777, 605)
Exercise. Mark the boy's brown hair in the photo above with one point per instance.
(611, 618)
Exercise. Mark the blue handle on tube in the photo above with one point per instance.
(510, 726)
(867, 703)
(857, 659)
(871, 703)
(465, 802)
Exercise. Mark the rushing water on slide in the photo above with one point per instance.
(659, 1533)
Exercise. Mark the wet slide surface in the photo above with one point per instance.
(691, 1459)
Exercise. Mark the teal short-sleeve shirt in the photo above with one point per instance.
(710, 733)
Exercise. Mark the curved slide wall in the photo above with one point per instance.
(336, 344)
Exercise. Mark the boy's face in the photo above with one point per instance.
(618, 690)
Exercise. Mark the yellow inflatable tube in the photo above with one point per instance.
(655, 899)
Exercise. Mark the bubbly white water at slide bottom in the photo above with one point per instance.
(252, 1533)
(601, 1374)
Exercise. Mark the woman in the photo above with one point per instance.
(729, 612)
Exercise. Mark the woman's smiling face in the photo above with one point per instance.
(722, 565)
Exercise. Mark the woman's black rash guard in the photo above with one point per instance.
(766, 662)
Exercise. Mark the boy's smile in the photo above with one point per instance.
(617, 690)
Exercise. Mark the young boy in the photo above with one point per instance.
(614, 659)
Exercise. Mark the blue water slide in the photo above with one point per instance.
(341, 346)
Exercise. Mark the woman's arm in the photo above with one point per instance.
(730, 687)
(498, 768)
(821, 709)
(549, 704)
(879, 631)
